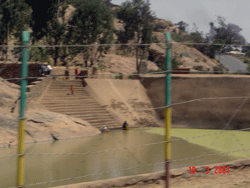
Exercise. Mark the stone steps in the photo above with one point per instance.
(48, 99)
(80, 105)
(75, 107)
(71, 105)
(82, 113)
(66, 102)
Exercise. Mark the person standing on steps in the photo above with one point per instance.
(72, 90)
(76, 72)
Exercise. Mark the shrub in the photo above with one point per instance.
(133, 76)
(248, 68)
(218, 69)
(247, 61)
(159, 27)
(101, 65)
(155, 39)
(198, 68)
(177, 37)
(175, 64)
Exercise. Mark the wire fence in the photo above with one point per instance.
(130, 44)
(212, 104)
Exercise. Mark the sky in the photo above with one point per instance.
(202, 12)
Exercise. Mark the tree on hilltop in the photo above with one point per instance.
(14, 18)
(107, 2)
(137, 19)
(196, 37)
(91, 23)
(224, 34)
(48, 23)
(182, 26)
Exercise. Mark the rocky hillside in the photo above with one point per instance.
(187, 57)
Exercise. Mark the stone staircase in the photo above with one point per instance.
(58, 99)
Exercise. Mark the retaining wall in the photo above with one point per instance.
(206, 113)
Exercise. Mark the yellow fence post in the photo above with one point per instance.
(168, 108)
(24, 74)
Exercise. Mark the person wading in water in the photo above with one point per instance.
(125, 126)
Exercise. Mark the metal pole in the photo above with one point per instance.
(58, 9)
(24, 74)
(168, 108)
(7, 36)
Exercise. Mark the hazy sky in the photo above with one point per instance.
(202, 12)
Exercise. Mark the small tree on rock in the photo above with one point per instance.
(91, 23)
(137, 18)
(182, 26)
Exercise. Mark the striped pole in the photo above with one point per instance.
(168, 108)
(24, 74)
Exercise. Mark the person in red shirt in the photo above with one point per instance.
(76, 72)
(72, 89)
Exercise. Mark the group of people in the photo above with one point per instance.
(45, 69)
(124, 127)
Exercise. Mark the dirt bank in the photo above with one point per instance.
(40, 123)
(206, 113)
(238, 175)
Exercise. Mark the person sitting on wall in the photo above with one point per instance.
(49, 69)
(125, 126)
(43, 69)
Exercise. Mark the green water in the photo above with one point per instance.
(45, 168)
(221, 141)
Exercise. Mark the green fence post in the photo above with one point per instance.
(24, 74)
(168, 108)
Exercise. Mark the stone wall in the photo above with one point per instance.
(204, 113)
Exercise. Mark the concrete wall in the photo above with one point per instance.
(203, 114)
(123, 95)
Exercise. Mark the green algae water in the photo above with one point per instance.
(106, 165)
(226, 141)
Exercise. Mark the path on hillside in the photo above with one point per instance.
(231, 63)
(58, 99)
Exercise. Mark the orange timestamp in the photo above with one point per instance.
(218, 170)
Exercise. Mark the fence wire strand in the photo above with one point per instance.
(218, 73)
(131, 44)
